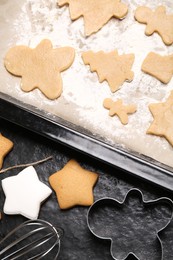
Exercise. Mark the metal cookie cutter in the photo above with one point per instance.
(132, 226)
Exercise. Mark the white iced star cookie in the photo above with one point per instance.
(24, 193)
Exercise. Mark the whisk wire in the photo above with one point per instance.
(36, 243)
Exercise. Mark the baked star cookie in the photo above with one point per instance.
(73, 185)
(5, 147)
(24, 193)
(117, 108)
(40, 67)
(163, 119)
(112, 67)
(160, 67)
(156, 21)
(96, 13)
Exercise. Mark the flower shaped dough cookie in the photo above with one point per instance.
(40, 67)
(112, 67)
(96, 13)
(163, 119)
(157, 21)
(132, 226)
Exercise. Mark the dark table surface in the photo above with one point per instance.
(78, 242)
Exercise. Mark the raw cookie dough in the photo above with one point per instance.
(117, 108)
(157, 21)
(112, 67)
(40, 67)
(5, 147)
(73, 185)
(96, 13)
(160, 67)
(163, 119)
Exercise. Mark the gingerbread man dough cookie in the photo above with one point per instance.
(112, 67)
(156, 21)
(40, 67)
(163, 119)
(160, 67)
(117, 108)
(96, 13)
(5, 147)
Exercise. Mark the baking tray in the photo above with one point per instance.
(106, 139)
(82, 140)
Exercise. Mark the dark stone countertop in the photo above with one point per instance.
(78, 242)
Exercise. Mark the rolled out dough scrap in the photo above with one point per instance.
(160, 67)
(163, 119)
(112, 67)
(5, 147)
(156, 21)
(96, 13)
(40, 67)
(117, 108)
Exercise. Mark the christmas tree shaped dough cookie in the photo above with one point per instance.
(160, 67)
(40, 67)
(156, 21)
(163, 119)
(117, 108)
(96, 13)
(73, 185)
(112, 67)
(5, 147)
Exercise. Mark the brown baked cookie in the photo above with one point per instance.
(40, 67)
(163, 119)
(156, 21)
(73, 185)
(160, 67)
(117, 108)
(5, 147)
(96, 13)
(112, 67)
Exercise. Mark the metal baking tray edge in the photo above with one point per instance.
(138, 165)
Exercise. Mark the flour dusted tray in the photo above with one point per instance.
(78, 118)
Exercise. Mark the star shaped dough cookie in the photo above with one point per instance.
(112, 67)
(73, 185)
(5, 147)
(156, 21)
(40, 67)
(117, 108)
(96, 13)
(160, 67)
(24, 193)
(163, 119)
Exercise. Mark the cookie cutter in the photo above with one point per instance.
(109, 201)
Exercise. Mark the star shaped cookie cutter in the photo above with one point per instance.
(131, 235)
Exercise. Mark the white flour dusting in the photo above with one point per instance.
(28, 22)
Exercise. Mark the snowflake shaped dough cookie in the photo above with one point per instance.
(117, 108)
(163, 119)
(40, 67)
(157, 21)
(5, 147)
(112, 67)
(24, 193)
(96, 13)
